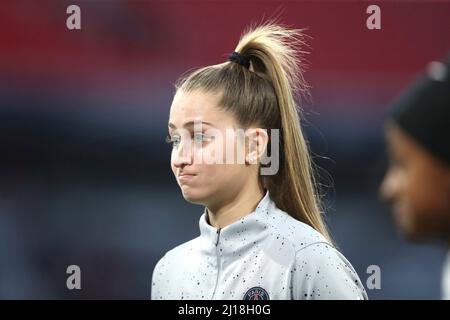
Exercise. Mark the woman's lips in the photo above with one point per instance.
(186, 177)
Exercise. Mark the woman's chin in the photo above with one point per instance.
(191, 195)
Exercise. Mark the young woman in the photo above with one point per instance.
(417, 182)
(262, 236)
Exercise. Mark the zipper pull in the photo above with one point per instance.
(218, 234)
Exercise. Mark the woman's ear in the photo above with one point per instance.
(257, 140)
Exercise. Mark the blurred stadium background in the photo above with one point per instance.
(84, 170)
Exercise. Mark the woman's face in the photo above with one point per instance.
(418, 185)
(198, 130)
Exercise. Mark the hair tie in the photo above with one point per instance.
(239, 59)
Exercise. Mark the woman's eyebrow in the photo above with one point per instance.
(189, 124)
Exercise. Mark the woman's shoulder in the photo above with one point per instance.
(168, 266)
(328, 273)
(299, 234)
(183, 250)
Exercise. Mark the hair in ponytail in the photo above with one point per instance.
(268, 94)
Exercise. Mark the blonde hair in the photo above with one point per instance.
(266, 95)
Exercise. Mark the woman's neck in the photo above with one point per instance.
(235, 207)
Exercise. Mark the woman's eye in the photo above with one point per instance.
(398, 162)
(174, 141)
(200, 137)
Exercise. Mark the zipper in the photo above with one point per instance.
(218, 235)
(218, 262)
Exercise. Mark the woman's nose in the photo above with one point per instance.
(182, 154)
(388, 186)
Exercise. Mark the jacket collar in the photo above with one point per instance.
(241, 234)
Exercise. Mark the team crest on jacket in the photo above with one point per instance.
(256, 293)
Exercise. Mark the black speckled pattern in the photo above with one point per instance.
(266, 249)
